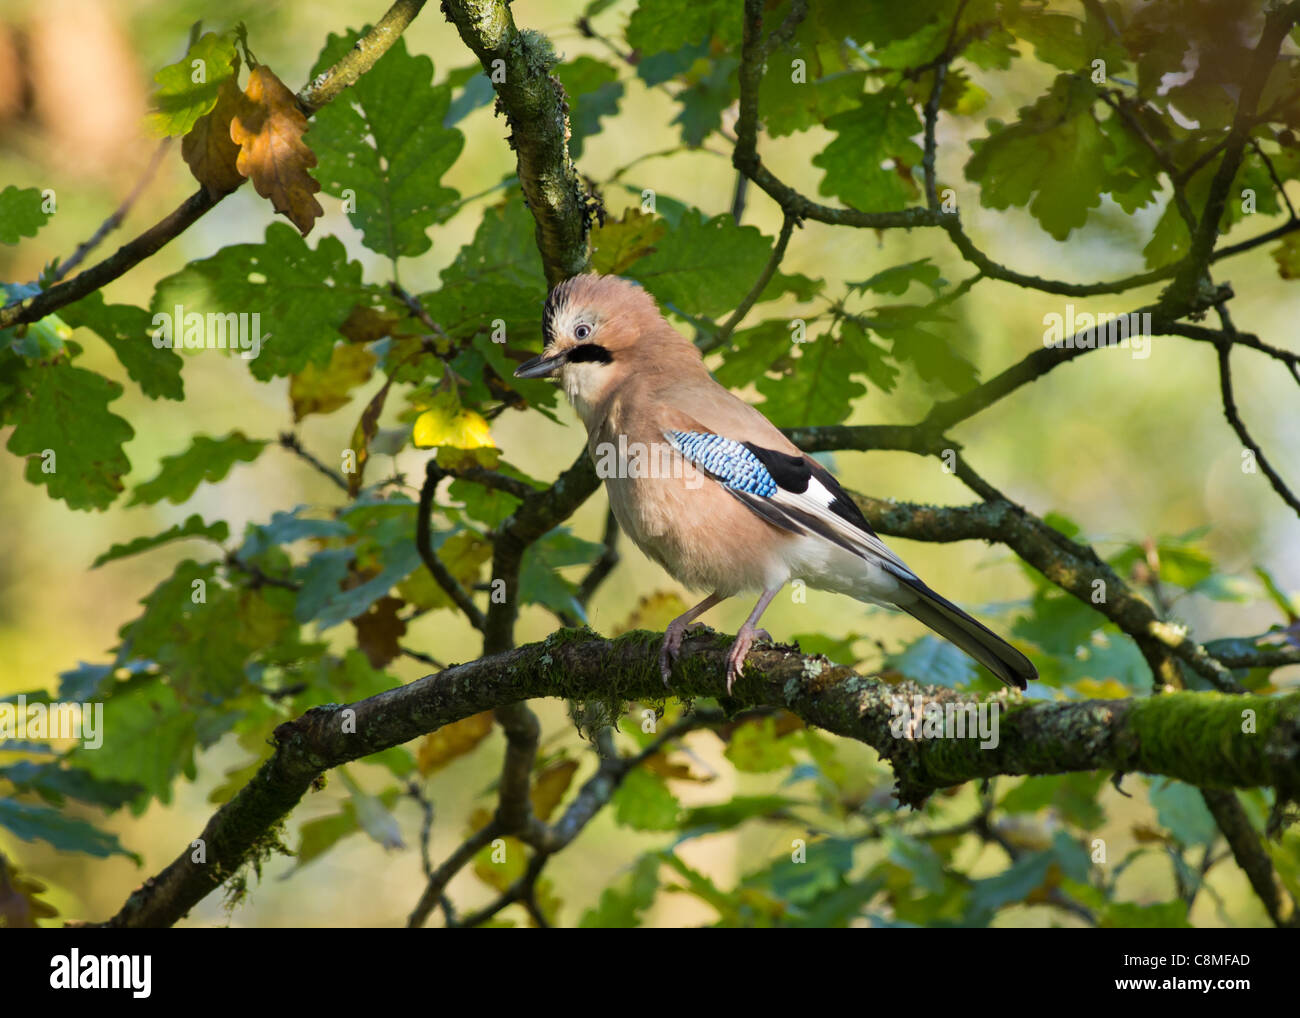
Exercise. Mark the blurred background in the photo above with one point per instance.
(1129, 449)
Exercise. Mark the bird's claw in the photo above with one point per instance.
(672, 647)
(745, 639)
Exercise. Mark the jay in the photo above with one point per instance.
(710, 489)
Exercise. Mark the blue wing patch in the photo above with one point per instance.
(726, 459)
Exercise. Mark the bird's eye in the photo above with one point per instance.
(581, 331)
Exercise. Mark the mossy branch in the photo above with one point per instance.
(519, 66)
(1205, 739)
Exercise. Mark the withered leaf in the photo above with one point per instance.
(378, 630)
(209, 149)
(269, 132)
(451, 741)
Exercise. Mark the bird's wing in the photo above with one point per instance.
(789, 490)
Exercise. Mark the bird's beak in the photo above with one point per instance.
(540, 367)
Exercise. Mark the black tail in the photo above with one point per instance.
(976, 639)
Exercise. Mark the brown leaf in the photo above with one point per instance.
(379, 629)
(665, 768)
(269, 132)
(208, 148)
(362, 434)
(451, 741)
(365, 324)
(549, 787)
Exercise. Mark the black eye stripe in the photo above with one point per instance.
(589, 353)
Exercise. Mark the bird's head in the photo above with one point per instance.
(598, 330)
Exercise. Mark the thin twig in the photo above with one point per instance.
(115, 220)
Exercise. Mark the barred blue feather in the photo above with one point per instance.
(727, 460)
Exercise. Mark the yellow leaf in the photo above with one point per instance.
(653, 612)
(463, 554)
(268, 131)
(1104, 689)
(447, 423)
(451, 741)
(619, 243)
(317, 390)
(550, 785)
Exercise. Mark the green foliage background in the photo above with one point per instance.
(1131, 454)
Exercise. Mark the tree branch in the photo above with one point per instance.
(519, 66)
(359, 59)
(1194, 737)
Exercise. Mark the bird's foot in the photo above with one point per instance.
(745, 639)
(672, 646)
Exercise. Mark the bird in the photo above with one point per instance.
(706, 486)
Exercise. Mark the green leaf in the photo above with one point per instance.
(756, 748)
(1287, 256)
(152, 739)
(1016, 883)
(301, 295)
(398, 561)
(1053, 159)
(934, 662)
(21, 214)
(896, 279)
(1165, 915)
(64, 410)
(914, 342)
(129, 330)
(286, 528)
(753, 352)
(56, 784)
(192, 527)
(621, 907)
(1182, 812)
(879, 130)
(593, 92)
(704, 267)
(539, 581)
(620, 243)
(1073, 795)
(704, 100)
(825, 866)
(644, 803)
(386, 143)
(794, 97)
(207, 459)
(658, 25)
(67, 834)
(724, 816)
(819, 388)
(43, 339)
(316, 837)
(180, 99)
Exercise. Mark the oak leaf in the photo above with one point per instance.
(209, 150)
(272, 154)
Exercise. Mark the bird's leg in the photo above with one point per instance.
(677, 629)
(746, 637)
